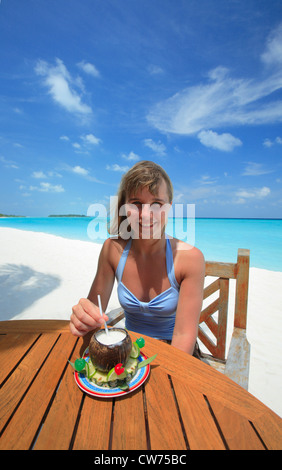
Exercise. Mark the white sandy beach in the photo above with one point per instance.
(43, 276)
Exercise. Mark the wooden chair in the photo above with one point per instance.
(214, 317)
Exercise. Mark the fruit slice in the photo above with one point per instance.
(100, 378)
(131, 366)
(112, 375)
(91, 369)
(135, 351)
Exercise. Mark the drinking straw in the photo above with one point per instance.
(101, 313)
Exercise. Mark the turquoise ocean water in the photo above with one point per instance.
(219, 239)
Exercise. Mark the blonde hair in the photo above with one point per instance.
(144, 174)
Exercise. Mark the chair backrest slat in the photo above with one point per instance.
(226, 270)
(215, 314)
(242, 289)
(211, 288)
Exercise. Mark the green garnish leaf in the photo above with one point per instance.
(147, 361)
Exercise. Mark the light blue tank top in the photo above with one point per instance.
(157, 317)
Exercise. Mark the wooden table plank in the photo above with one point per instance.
(12, 348)
(93, 432)
(129, 425)
(201, 430)
(164, 425)
(24, 424)
(269, 427)
(237, 430)
(34, 326)
(204, 378)
(17, 384)
(57, 430)
(196, 408)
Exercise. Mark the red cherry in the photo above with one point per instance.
(119, 369)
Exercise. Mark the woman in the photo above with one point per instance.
(160, 279)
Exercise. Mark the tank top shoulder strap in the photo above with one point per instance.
(170, 265)
(122, 261)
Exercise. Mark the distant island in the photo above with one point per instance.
(66, 215)
(8, 215)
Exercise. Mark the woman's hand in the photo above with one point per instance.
(86, 317)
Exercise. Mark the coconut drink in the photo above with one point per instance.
(112, 359)
(106, 350)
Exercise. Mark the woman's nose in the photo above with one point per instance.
(146, 212)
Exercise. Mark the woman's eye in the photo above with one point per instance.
(139, 205)
(135, 205)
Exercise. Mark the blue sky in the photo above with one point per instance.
(89, 87)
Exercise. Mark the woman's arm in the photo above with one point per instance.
(86, 314)
(192, 270)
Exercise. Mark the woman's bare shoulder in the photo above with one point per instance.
(112, 250)
(181, 247)
(188, 259)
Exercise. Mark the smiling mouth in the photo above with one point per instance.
(150, 230)
(151, 225)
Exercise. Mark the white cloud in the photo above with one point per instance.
(86, 141)
(88, 68)
(38, 174)
(155, 70)
(91, 139)
(224, 100)
(80, 171)
(76, 145)
(269, 143)
(42, 175)
(9, 163)
(196, 193)
(255, 169)
(260, 193)
(225, 142)
(263, 192)
(47, 188)
(158, 147)
(116, 167)
(61, 86)
(206, 179)
(273, 51)
(131, 157)
(54, 174)
(209, 190)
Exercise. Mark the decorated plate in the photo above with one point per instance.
(91, 388)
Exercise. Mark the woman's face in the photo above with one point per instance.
(147, 213)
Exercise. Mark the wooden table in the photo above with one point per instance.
(184, 404)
